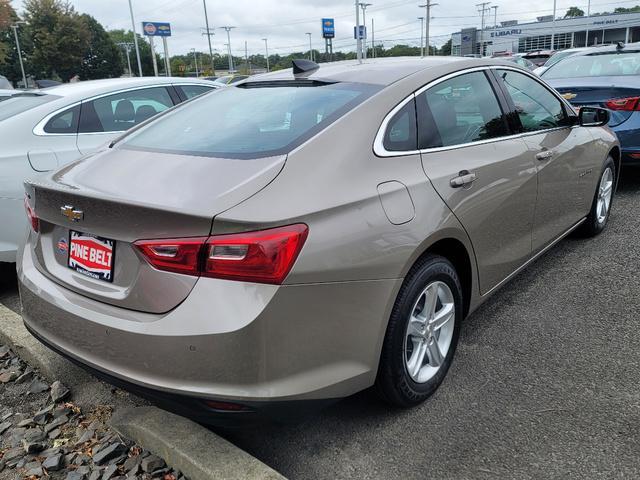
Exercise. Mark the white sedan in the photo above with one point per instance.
(45, 129)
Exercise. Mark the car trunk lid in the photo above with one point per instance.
(122, 196)
(596, 91)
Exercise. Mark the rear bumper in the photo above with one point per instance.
(260, 346)
(628, 134)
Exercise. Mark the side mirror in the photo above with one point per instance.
(593, 116)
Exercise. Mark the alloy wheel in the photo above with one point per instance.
(429, 332)
(605, 192)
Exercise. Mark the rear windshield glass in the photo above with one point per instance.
(600, 65)
(249, 121)
(21, 103)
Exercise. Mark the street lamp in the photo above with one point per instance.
(310, 47)
(127, 47)
(228, 29)
(421, 36)
(135, 38)
(266, 51)
(364, 6)
(15, 26)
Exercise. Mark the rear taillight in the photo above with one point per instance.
(628, 104)
(34, 221)
(265, 256)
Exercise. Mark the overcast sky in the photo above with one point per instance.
(285, 22)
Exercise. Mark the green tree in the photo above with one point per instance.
(102, 58)
(57, 39)
(627, 10)
(7, 16)
(574, 12)
(445, 49)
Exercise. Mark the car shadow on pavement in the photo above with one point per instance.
(9, 286)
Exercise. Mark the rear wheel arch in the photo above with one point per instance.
(455, 251)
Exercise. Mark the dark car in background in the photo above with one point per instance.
(606, 77)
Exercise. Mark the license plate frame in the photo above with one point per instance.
(91, 255)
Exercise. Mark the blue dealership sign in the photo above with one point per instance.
(156, 29)
(328, 28)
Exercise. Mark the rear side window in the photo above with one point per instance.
(460, 110)
(255, 120)
(191, 91)
(401, 133)
(64, 122)
(121, 111)
(537, 107)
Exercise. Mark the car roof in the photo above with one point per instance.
(97, 87)
(379, 71)
(633, 47)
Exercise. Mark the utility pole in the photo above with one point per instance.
(246, 58)
(358, 39)
(373, 39)
(364, 21)
(495, 16)
(15, 27)
(208, 34)
(266, 51)
(127, 48)
(553, 26)
(421, 36)
(135, 38)
(310, 47)
(482, 9)
(195, 57)
(427, 18)
(228, 29)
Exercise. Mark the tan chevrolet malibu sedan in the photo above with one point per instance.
(309, 233)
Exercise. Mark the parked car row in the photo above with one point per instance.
(327, 231)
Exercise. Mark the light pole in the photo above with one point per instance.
(364, 22)
(358, 39)
(195, 57)
(266, 51)
(482, 8)
(209, 33)
(228, 30)
(427, 17)
(553, 26)
(495, 16)
(15, 27)
(586, 40)
(135, 38)
(310, 47)
(421, 36)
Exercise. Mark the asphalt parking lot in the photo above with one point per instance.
(545, 383)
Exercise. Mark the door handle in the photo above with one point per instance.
(464, 178)
(544, 155)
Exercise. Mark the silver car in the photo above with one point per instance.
(43, 130)
(328, 229)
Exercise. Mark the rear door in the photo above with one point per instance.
(104, 118)
(483, 173)
(559, 150)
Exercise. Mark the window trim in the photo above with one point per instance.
(39, 128)
(378, 145)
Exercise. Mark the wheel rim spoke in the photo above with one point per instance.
(416, 361)
(435, 355)
(443, 316)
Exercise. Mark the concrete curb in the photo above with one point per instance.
(190, 448)
(183, 444)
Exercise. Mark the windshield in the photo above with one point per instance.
(556, 57)
(596, 65)
(21, 103)
(254, 120)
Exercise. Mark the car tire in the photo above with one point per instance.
(597, 219)
(403, 379)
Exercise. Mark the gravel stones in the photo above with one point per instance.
(9, 376)
(58, 391)
(38, 386)
(107, 453)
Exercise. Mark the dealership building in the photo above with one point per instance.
(511, 36)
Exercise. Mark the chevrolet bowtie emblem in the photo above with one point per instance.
(569, 96)
(72, 214)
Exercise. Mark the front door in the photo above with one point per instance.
(487, 178)
(560, 153)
